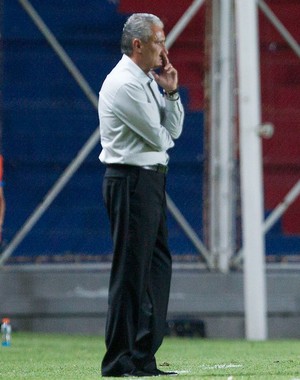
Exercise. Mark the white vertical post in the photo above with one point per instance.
(251, 169)
(221, 135)
(226, 137)
(213, 134)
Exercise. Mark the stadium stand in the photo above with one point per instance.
(47, 119)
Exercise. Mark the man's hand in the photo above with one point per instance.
(167, 78)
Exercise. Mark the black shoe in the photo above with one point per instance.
(137, 373)
(159, 372)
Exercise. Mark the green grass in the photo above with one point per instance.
(41, 356)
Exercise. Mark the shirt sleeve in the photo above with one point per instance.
(134, 107)
(173, 117)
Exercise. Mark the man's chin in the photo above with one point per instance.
(157, 67)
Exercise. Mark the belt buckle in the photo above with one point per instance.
(159, 168)
(162, 169)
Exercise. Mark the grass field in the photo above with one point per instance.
(41, 356)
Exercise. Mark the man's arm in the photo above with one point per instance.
(133, 108)
(167, 79)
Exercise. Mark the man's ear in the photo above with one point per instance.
(136, 44)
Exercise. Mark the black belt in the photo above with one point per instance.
(157, 168)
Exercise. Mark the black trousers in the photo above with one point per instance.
(141, 269)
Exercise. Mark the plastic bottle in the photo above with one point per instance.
(6, 332)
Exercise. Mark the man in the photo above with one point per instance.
(137, 126)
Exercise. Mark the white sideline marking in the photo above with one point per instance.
(221, 366)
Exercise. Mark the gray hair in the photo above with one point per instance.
(138, 25)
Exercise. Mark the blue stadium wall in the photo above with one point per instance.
(47, 119)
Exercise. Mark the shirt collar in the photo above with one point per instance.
(136, 70)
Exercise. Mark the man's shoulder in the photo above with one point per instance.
(121, 77)
(121, 74)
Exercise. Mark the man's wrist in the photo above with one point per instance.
(172, 95)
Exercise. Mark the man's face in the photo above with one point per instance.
(154, 50)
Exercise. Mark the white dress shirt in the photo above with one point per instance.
(137, 123)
